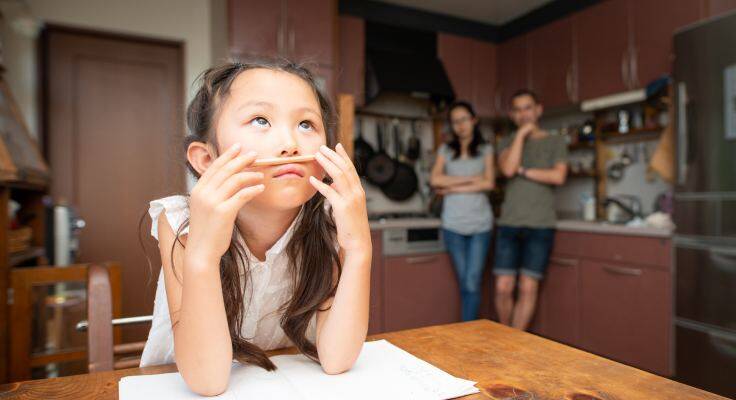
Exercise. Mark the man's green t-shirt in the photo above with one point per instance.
(528, 203)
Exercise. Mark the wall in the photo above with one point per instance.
(188, 21)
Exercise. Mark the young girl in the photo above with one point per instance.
(251, 260)
(464, 172)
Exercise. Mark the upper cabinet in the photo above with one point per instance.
(717, 7)
(301, 30)
(351, 71)
(602, 33)
(553, 70)
(513, 70)
(471, 67)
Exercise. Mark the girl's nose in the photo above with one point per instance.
(289, 146)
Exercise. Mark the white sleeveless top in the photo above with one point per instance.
(268, 290)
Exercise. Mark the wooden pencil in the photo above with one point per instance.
(262, 162)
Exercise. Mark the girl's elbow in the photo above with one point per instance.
(336, 368)
(209, 387)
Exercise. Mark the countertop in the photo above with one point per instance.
(405, 223)
(607, 228)
(506, 363)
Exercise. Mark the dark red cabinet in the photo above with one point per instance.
(351, 71)
(255, 28)
(513, 70)
(419, 290)
(558, 316)
(553, 74)
(310, 31)
(471, 67)
(626, 314)
(484, 78)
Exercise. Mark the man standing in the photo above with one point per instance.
(534, 163)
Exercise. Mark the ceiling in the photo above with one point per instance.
(494, 12)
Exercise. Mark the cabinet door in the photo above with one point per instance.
(352, 58)
(717, 7)
(420, 290)
(559, 301)
(552, 63)
(602, 36)
(654, 24)
(375, 318)
(484, 78)
(456, 53)
(310, 32)
(626, 314)
(255, 28)
(513, 71)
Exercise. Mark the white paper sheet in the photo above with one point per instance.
(382, 371)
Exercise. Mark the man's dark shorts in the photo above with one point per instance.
(522, 249)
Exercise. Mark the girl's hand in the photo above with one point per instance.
(222, 190)
(347, 198)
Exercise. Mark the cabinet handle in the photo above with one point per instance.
(280, 41)
(682, 132)
(420, 259)
(567, 262)
(622, 270)
(292, 40)
(625, 69)
(633, 65)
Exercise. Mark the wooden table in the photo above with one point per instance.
(506, 363)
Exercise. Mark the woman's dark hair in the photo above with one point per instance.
(313, 260)
(477, 136)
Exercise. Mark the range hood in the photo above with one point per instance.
(404, 61)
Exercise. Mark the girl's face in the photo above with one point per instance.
(462, 122)
(275, 114)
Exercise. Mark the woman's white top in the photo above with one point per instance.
(269, 289)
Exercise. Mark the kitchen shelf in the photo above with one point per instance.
(582, 175)
(26, 255)
(634, 135)
(581, 146)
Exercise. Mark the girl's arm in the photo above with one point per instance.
(343, 325)
(199, 322)
(484, 184)
(438, 178)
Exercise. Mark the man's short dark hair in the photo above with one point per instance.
(524, 92)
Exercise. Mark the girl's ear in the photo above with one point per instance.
(200, 156)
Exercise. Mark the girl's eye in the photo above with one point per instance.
(259, 122)
(306, 126)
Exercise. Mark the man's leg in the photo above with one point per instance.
(505, 268)
(536, 246)
(526, 303)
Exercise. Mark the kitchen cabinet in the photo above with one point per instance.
(303, 30)
(654, 23)
(513, 70)
(553, 70)
(352, 58)
(375, 319)
(471, 66)
(717, 7)
(626, 314)
(610, 295)
(419, 290)
(602, 36)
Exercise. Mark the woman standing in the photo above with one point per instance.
(463, 173)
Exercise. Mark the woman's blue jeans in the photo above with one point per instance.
(469, 254)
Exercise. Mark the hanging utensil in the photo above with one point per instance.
(414, 148)
(380, 168)
(404, 183)
(362, 151)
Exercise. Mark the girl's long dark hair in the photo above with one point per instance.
(311, 249)
(477, 136)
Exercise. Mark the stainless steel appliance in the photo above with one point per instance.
(409, 233)
(705, 205)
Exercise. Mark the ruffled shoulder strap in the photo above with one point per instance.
(176, 209)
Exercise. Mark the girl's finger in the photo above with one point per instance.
(228, 155)
(340, 150)
(237, 164)
(243, 196)
(331, 194)
(337, 175)
(238, 181)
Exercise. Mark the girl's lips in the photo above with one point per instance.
(289, 171)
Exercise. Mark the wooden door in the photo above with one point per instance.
(256, 28)
(420, 290)
(484, 78)
(654, 25)
(559, 301)
(114, 126)
(602, 37)
(513, 69)
(311, 31)
(351, 70)
(626, 314)
(456, 54)
(551, 48)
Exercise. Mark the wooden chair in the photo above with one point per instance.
(24, 282)
(101, 337)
